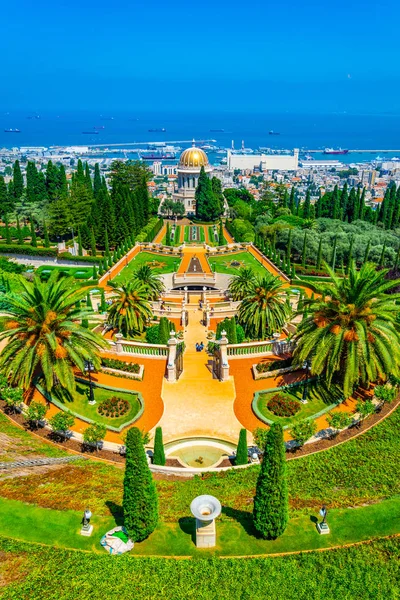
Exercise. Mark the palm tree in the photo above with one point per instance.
(46, 338)
(242, 284)
(351, 333)
(152, 282)
(264, 309)
(130, 309)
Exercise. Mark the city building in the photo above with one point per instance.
(263, 162)
(188, 171)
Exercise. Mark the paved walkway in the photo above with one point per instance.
(198, 404)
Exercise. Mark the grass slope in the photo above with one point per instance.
(159, 262)
(368, 572)
(222, 264)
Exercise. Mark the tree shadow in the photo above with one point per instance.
(116, 511)
(188, 526)
(244, 518)
(313, 519)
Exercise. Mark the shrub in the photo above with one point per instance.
(338, 421)
(62, 421)
(303, 431)
(87, 258)
(265, 367)
(13, 397)
(241, 452)
(270, 513)
(114, 407)
(159, 454)
(153, 334)
(94, 434)
(260, 437)
(113, 363)
(283, 406)
(140, 502)
(385, 393)
(36, 412)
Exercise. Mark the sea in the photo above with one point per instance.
(224, 129)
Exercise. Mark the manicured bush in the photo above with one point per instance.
(94, 434)
(159, 454)
(270, 512)
(303, 431)
(69, 256)
(153, 334)
(62, 422)
(241, 452)
(274, 365)
(385, 393)
(113, 407)
(140, 502)
(283, 406)
(338, 421)
(36, 412)
(113, 363)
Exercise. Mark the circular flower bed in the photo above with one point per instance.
(113, 407)
(283, 406)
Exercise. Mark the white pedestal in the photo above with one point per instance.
(323, 528)
(87, 532)
(205, 534)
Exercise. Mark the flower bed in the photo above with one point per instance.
(283, 406)
(113, 407)
(120, 365)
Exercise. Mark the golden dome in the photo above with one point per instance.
(193, 157)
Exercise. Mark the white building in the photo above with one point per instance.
(263, 162)
(188, 171)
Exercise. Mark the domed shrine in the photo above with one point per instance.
(188, 171)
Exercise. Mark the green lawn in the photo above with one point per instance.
(77, 272)
(80, 404)
(319, 398)
(31, 523)
(159, 262)
(223, 264)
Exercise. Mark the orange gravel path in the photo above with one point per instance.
(228, 236)
(206, 236)
(160, 235)
(117, 268)
(246, 386)
(150, 389)
(188, 254)
(182, 234)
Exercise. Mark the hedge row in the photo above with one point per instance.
(25, 249)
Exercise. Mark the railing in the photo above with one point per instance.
(264, 347)
(139, 348)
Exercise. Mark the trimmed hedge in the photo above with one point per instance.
(26, 249)
(89, 259)
(113, 363)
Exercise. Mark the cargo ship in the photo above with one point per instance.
(272, 132)
(333, 151)
(158, 129)
(158, 155)
(12, 131)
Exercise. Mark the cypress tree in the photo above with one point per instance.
(62, 183)
(343, 200)
(241, 451)
(93, 251)
(140, 502)
(45, 235)
(94, 272)
(396, 262)
(285, 199)
(307, 206)
(89, 301)
(33, 233)
(292, 201)
(304, 253)
(80, 248)
(362, 205)
(7, 231)
(18, 181)
(106, 244)
(270, 513)
(233, 333)
(357, 204)
(319, 254)
(3, 196)
(20, 235)
(101, 270)
(103, 304)
(97, 180)
(159, 454)
(366, 255)
(88, 179)
(335, 203)
(85, 323)
(110, 261)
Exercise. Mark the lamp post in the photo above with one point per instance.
(89, 368)
(323, 527)
(87, 528)
(306, 366)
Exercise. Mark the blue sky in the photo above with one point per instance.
(173, 55)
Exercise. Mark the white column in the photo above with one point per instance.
(118, 344)
(224, 364)
(171, 371)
